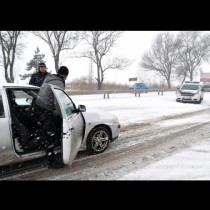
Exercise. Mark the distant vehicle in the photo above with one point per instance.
(78, 127)
(205, 79)
(139, 86)
(190, 92)
(206, 88)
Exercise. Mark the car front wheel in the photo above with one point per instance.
(199, 100)
(98, 140)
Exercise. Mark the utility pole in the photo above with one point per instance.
(91, 72)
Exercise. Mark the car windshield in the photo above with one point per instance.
(190, 87)
(140, 84)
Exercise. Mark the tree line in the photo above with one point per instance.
(99, 42)
(177, 57)
(172, 57)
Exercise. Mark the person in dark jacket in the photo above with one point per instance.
(45, 97)
(38, 78)
(50, 119)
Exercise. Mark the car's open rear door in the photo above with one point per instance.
(73, 126)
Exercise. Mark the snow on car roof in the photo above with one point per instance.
(3, 85)
(191, 83)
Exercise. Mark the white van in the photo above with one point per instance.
(190, 92)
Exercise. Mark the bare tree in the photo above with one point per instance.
(193, 50)
(181, 72)
(33, 64)
(100, 43)
(59, 41)
(10, 47)
(143, 76)
(162, 58)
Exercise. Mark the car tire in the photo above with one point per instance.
(199, 101)
(98, 140)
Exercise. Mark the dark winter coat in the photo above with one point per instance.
(45, 96)
(38, 78)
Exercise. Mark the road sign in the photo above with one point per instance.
(133, 79)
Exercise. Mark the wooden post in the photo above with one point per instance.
(160, 91)
(106, 94)
(137, 93)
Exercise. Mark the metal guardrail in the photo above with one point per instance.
(106, 93)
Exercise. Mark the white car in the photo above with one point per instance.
(190, 92)
(77, 128)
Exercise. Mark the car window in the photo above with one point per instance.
(1, 107)
(190, 87)
(22, 98)
(67, 103)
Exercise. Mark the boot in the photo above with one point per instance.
(54, 161)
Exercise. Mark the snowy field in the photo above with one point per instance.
(148, 107)
(190, 164)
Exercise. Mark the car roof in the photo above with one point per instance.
(191, 83)
(15, 85)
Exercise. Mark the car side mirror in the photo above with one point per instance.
(81, 108)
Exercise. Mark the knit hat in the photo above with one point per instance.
(42, 65)
(63, 70)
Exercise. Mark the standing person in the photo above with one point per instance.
(50, 118)
(38, 78)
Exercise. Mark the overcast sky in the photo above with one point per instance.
(131, 45)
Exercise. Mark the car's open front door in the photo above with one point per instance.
(73, 126)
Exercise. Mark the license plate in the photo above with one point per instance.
(187, 97)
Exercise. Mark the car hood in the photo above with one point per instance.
(100, 116)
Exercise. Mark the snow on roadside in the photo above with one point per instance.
(147, 107)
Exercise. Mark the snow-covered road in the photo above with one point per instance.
(160, 139)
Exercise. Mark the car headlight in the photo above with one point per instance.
(178, 93)
(197, 94)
